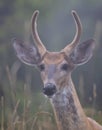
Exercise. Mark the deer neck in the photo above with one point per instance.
(68, 111)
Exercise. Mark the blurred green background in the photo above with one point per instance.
(56, 27)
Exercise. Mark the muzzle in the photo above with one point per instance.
(49, 89)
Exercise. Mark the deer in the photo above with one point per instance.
(56, 69)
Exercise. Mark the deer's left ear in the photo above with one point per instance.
(83, 52)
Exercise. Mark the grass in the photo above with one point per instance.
(21, 110)
(97, 115)
(24, 120)
(25, 111)
(15, 119)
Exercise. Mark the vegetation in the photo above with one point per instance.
(22, 105)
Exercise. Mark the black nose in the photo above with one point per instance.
(49, 89)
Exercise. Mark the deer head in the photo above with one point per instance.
(55, 67)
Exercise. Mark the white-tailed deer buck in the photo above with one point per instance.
(56, 69)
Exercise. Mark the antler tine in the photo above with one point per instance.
(35, 35)
(78, 32)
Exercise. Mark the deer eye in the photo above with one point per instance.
(65, 67)
(42, 67)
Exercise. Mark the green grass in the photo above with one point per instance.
(96, 115)
(27, 115)
(27, 110)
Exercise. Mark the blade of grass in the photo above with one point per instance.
(2, 113)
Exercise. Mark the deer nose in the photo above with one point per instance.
(49, 89)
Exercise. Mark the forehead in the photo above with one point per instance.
(53, 57)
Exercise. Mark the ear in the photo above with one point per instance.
(83, 52)
(28, 54)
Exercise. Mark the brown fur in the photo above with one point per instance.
(67, 108)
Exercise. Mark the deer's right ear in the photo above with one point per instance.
(28, 54)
